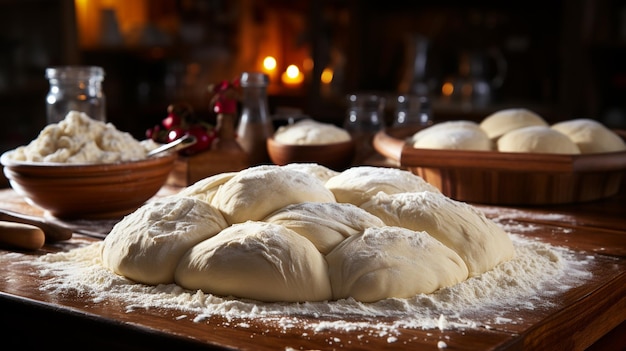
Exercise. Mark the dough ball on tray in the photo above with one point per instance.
(452, 135)
(385, 262)
(591, 136)
(480, 242)
(146, 245)
(357, 185)
(537, 139)
(255, 192)
(501, 122)
(259, 261)
(324, 224)
(457, 124)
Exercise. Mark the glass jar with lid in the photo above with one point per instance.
(75, 88)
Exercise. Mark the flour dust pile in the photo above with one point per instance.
(538, 271)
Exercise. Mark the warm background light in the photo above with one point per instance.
(130, 16)
(269, 63)
(293, 71)
(447, 89)
(327, 76)
(308, 64)
(292, 76)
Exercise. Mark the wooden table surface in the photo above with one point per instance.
(591, 316)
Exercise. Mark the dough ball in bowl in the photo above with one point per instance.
(259, 261)
(310, 132)
(504, 121)
(591, 136)
(537, 139)
(452, 135)
(146, 245)
(309, 141)
(357, 185)
(324, 224)
(392, 262)
(480, 242)
(255, 192)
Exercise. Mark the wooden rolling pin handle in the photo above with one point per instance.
(53, 232)
(21, 236)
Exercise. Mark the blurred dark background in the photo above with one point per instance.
(562, 59)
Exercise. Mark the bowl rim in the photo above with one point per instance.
(274, 142)
(6, 161)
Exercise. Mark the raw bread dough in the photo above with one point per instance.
(504, 121)
(256, 192)
(357, 185)
(205, 189)
(323, 173)
(274, 224)
(452, 135)
(537, 139)
(460, 124)
(591, 136)
(442, 125)
(259, 261)
(480, 242)
(324, 224)
(146, 245)
(392, 262)
(310, 132)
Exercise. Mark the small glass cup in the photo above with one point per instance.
(365, 113)
(364, 118)
(412, 111)
(75, 88)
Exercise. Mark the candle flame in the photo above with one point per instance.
(269, 63)
(292, 75)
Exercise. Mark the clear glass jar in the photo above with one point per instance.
(75, 88)
(412, 111)
(255, 125)
(365, 116)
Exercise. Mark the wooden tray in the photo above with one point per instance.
(504, 178)
(189, 169)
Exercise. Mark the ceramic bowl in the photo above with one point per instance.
(94, 191)
(336, 156)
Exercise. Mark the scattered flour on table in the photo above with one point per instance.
(538, 272)
(509, 219)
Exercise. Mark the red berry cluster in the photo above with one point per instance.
(224, 96)
(181, 121)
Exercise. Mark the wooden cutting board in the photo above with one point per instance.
(575, 320)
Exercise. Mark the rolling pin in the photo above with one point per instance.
(21, 236)
(52, 232)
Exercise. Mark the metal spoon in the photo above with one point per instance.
(176, 145)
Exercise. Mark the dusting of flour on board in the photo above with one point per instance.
(525, 283)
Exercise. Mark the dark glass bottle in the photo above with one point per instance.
(255, 125)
